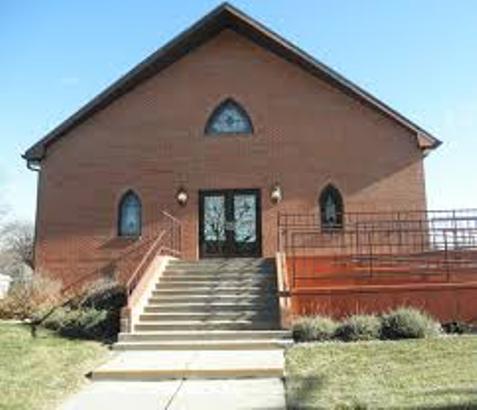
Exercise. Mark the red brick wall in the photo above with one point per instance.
(307, 134)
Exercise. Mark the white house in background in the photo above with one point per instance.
(4, 284)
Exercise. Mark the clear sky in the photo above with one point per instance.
(420, 57)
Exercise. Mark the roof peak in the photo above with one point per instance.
(225, 15)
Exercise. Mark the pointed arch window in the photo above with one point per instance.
(331, 208)
(130, 215)
(229, 118)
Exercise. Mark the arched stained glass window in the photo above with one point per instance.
(129, 216)
(331, 208)
(229, 118)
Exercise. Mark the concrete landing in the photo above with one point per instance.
(240, 394)
(205, 364)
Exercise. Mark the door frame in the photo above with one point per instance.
(230, 193)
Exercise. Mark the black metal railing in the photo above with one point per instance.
(367, 244)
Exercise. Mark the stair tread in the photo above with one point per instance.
(223, 263)
(251, 344)
(206, 321)
(219, 274)
(218, 284)
(200, 360)
(221, 296)
(192, 314)
(211, 332)
(205, 333)
(220, 269)
(210, 292)
(153, 326)
(174, 300)
(212, 304)
(207, 317)
(214, 286)
(214, 289)
(204, 310)
(205, 342)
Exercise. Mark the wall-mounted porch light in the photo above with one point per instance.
(182, 196)
(276, 194)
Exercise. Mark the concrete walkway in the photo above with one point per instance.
(202, 379)
(207, 338)
(216, 364)
(230, 394)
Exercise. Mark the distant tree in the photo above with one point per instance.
(16, 248)
(19, 241)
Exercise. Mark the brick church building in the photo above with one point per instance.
(201, 150)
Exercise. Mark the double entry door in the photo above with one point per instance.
(230, 223)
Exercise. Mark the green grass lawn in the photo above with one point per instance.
(36, 373)
(425, 373)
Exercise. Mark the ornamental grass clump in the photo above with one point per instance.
(314, 329)
(408, 323)
(359, 327)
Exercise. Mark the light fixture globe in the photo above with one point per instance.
(276, 194)
(182, 196)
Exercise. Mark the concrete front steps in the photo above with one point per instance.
(207, 319)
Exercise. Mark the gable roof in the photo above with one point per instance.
(223, 17)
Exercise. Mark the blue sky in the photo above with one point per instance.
(420, 57)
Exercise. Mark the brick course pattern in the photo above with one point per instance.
(306, 134)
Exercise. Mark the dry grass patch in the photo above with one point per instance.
(37, 373)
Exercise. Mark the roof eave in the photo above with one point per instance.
(144, 69)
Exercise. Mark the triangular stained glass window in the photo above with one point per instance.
(229, 118)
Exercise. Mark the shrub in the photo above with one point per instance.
(318, 328)
(104, 294)
(456, 327)
(29, 296)
(359, 327)
(408, 323)
(84, 323)
(52, 320)
(91, 314)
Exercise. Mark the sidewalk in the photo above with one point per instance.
(191, 364)
(230, 394)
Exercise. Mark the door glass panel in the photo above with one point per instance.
(245, 218)
(214, 218)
